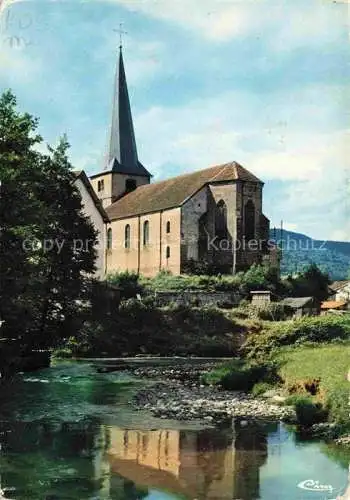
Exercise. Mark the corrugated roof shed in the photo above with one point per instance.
(296, 302)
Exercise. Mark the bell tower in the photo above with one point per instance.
(123, 170)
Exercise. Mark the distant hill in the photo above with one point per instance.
(300, 250)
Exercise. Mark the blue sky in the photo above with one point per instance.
(260, 82)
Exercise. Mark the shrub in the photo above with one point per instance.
(270, 312)
(204, 276)
(240, 376)
(203, 267)
(127, 282)
(338, 405)
(260, 388)
(63, 352)
(307, 412)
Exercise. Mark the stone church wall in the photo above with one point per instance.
(250, 251)
(161, 251)
(224, 253)
(191, 212)
(106, 195)
(171, 239)
(91, 210)
(197, 298)
(119, 183)
(120, 258)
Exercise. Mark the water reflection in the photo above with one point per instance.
(209, 464)
(70, 434)
(76, 460)
(66, 461)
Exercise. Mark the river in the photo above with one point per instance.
(70, 433)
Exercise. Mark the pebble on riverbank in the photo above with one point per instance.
(343, 441)
(180, 396)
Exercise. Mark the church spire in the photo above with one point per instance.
(122, 153)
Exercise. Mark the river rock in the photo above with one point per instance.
(187, 400)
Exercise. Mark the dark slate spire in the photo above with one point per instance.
(122, 154)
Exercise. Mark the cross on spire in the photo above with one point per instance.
(121, 33)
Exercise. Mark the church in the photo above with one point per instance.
(212, 215)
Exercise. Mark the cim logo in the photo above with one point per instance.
(312, 485)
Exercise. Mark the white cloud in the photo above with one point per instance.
(220, 19)
(285, 143)
(16, 65)
(341, 234)
(289, 24)
(146, 61)
(276, 140)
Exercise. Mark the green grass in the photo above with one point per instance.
(314, 375)
(237, 375)
(273, 336)
(320, 372)
(169, 282)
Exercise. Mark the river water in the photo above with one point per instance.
(70, 433)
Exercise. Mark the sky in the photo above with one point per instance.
(264, 83)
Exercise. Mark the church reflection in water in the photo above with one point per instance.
(208, 464)
(94, 460)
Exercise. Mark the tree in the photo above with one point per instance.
(311, 283)
(259, 277)
(46, 242)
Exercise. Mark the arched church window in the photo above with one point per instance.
(249, 220)
(130, 185)
(168, 227)
(146, 233)
(221, 220)
(127, 236)
(109, 239)
(100, 185)
(167, 252)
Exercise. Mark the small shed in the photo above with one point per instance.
(260, 298)
(300, 306)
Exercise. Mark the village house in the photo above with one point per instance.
(213, 215)
(300, 306)
(331, 306)
(340, 291)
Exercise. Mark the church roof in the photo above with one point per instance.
(122, 152)
(175, 191)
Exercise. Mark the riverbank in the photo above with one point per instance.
(70, 432)
(177, 393)
(312, 377)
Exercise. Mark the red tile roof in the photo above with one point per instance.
(173, 192)
(333, 304)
